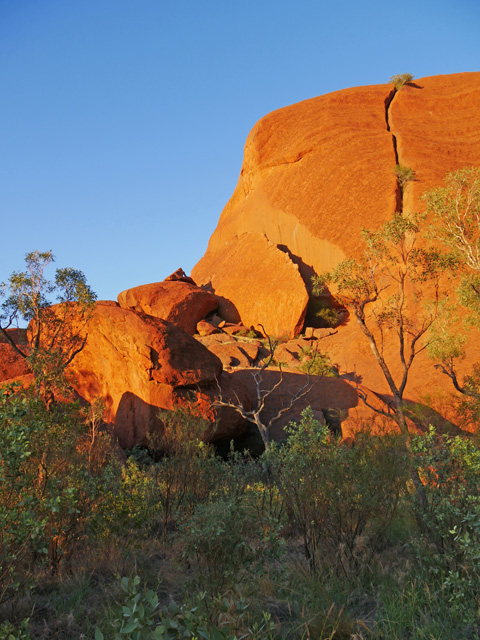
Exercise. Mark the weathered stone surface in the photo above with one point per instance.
(137, 363)
(180, 275)
(436, 122)
(319, 334)
(12, 365)
(256, 284)
(317, 172)
(19, 336)
(231, 353)
(228, 422)
(206, 328)
(314, 174)
(177, 301)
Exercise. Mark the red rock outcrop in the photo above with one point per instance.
(313, 175)
(12, 365)
(317, 172)
(139, 364)
(436, 123)
(231, 353)
(176, 300)
(256, 284)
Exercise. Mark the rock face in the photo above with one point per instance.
(256, 283)
(12, 366)
(138, 364)
(317, 172)
(313, 175)
(436, 123)
(177, 300)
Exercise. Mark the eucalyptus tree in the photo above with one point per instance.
(57, 312)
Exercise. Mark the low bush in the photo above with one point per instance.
(404, 175)
(401, 79)
(449, 523)
(340, 500)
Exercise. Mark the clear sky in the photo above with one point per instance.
(122, 122)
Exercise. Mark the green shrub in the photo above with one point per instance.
(340, 500)
(10, 631)
(141, 617)
(49, 487)
(320, 313)
(218, 541)
(316, 363)
(449, 524)
(401, 79)
(404, 175)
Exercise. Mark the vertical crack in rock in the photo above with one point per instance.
(388, 102)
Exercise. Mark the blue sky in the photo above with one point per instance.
(122, 123)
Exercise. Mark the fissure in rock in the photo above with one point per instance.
(388, 102)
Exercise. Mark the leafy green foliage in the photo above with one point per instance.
(142, 619)
(48, 491)
(404, 175)
(450, 525)
(55, 333)
(316, 363)
(339, 499)
(320, 313)
(456, 211)
(10, 631)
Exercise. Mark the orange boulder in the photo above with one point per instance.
(12, 365)
(229, 351)
(175, 300)
(256, 284)
(138, 363)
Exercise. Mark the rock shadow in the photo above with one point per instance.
(226, 309)
(331, 398)
(134, 420)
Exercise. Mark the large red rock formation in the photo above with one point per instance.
(317, 172)
(176, 300)
(436, 123)
(13, 367)
(257, 284)
(313, 175)
(139, 364)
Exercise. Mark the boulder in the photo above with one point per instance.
(178, 301)
(231, 352)
(205, 328)
(179, 275)
(256, 284)
(139, 364)
(12, 365)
